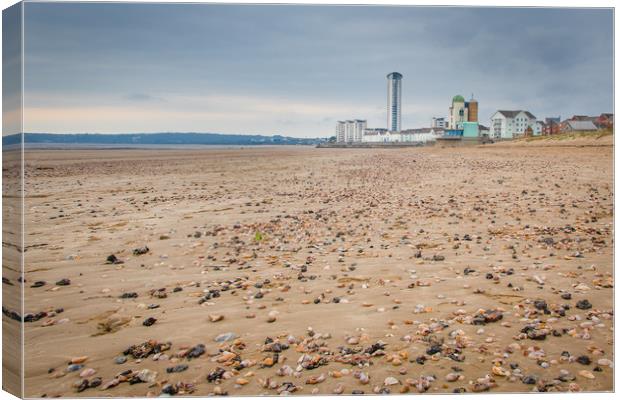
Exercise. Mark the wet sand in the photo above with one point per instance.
(337, 271)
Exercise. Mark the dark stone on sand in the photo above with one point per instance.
(169, 389)
(149, 321)
(196, 351)
(140, 250)
(583, 305)
(540, 304)
(95, 382)
(177, 368)
(584, 360)
(111, 259)
(436, 348)
(216, 374)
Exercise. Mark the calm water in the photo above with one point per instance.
(95, 146)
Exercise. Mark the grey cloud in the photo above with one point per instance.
(549, 60)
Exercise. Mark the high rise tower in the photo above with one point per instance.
(394, 99)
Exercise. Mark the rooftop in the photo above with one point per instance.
(514, 113)
(582, 125)
(395, 75)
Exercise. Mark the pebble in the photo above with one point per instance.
(390, 380)
(216, 317)
(225, 337)
(78, 360)
(177, 368)
(87, 373)
(583, 305)
(452, 377)
(586, 374)
(120, 360)
(146, 375)
(271, 317)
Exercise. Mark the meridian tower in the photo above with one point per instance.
(394, 101)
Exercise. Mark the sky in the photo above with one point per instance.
(296, 70)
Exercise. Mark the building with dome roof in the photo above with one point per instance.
(462, 111)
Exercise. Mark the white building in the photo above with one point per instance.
(394, 101)
(458, 112)
(358, 130)
(422, 135)
(538, 128)
(439, 122)
(376, 135)
(340, 134)
(350, 131)
(511, 124)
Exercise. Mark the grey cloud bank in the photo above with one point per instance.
(295, 70)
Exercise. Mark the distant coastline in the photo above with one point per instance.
(149, 140)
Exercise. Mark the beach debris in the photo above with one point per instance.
(111, 259)
(140, 251)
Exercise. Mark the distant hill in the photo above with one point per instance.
(176, 138)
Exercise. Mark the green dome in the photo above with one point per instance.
(458, 98)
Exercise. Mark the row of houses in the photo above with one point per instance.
(511, 124)
(578, 123)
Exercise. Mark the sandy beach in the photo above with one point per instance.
(298, 270)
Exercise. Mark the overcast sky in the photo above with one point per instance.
(296, 70)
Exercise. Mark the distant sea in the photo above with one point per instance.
(110, 146)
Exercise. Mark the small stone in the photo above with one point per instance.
(529, 380)
(584, 360)
(74, 367)
(225, 337)
(120, 360)
(79, 360)
(147, 376)
(149, 321)
(271, 317)
(499, 371)
(452, 377)
(140, 250)
(586, 374)
(111, 259)
(390, 380)
(87, 372)
(583, 305)
(216, 317)
(177, 368)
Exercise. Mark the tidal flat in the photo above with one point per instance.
(318, 271)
